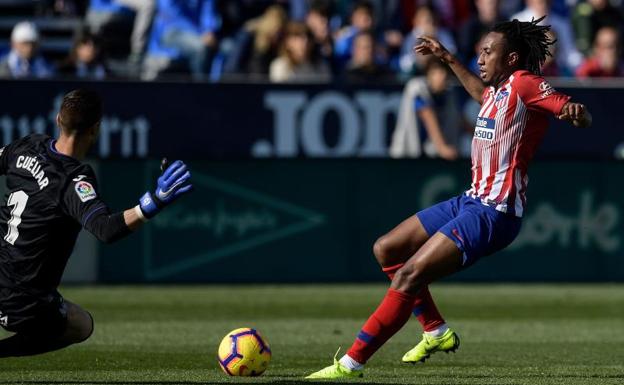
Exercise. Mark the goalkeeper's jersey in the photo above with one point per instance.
(49, 198)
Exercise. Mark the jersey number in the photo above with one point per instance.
(18, 200)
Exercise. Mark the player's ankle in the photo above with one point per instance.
(350, 363)
(437, 332)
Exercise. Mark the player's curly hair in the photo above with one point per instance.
(529, 40)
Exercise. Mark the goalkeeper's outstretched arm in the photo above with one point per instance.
(173, 183)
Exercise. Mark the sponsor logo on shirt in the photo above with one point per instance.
(85, 191)
(484, 129)
(544, 86)
(546, 89)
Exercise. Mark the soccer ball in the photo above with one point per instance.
(244, 352)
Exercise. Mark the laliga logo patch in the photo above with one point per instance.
(85, 191)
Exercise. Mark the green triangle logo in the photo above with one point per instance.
(220, 219)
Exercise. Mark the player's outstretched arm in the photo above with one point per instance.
(576, 113)
(471, 82)
(173, 183)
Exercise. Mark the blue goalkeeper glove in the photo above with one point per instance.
(174, 182)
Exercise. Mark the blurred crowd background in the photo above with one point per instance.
(285, 40)
(304, 41)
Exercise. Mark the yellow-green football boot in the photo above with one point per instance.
(447, 342)
(335, 371)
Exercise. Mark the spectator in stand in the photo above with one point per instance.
(257, 44)
(298, 9)
(388, 14)
(389, 25)
(317, 20)
(362, 19)
(567, 55)
(105, 14)
(424, 23)
(470, 32)
(451, 14)
(427, 101)
(184, 34)
(605, 60)
(363, 67)
(23, 61)
(591, 15)
(84, 61)
(510, 7)
(296, 62)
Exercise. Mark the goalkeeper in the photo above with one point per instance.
(52, 195)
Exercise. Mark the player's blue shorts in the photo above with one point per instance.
(477, 230)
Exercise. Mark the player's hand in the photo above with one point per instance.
(429, 46)
(576, 113)
(173, 183)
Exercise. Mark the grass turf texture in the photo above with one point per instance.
(511, 334)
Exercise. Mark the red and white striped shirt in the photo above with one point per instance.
(510, 126)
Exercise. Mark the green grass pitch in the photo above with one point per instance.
(511, 334)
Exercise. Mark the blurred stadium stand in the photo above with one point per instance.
(56, 31)
(248, 35)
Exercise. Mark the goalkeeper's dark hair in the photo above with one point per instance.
(529, 40)
(80, 110)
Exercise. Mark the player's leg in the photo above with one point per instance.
(80, 324)
(478, 231)
(438, 257)
(437, 335)
(400, 243)
(48, 330)
(394, 248)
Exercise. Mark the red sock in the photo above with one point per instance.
(390, 316)
(391, 270)
(425, 309)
